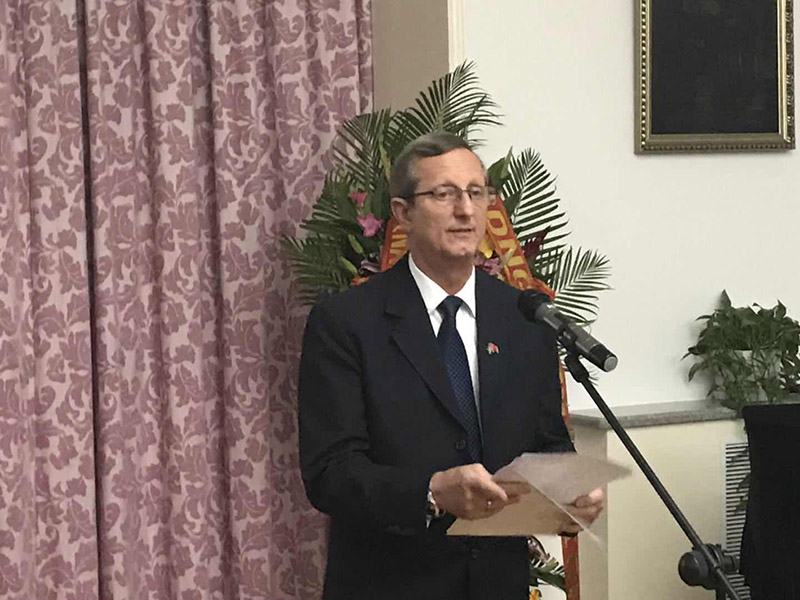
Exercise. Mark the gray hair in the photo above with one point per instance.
(403, 182)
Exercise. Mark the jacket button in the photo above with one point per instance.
(474, 553)
(461, 445)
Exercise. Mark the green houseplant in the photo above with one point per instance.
(749, 353)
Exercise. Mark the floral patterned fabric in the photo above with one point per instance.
(208, 126)
(47, 489)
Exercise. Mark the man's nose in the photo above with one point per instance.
(464, 205)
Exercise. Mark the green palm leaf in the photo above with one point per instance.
(577, 276)
(548, 571)
(529, 195)
(453, 103)
(358, 148)
(334, 214)
(317, 266)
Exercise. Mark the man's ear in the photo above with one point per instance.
(400, 208)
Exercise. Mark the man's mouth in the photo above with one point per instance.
(461, 230)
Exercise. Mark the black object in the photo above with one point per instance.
(714, 71)
(771, 539)
(535, 306)
(695, 570)
(706, 565)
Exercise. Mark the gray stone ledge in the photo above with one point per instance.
(650, 415)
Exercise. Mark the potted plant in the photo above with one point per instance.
(750, 354)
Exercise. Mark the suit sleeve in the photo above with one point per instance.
(551, 431)
(340, 478)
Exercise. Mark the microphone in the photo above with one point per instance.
(535, 306)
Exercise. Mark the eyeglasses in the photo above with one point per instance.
(479, 194)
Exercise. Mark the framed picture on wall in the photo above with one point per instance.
(715, 75)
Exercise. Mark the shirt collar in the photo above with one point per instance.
(433, 294)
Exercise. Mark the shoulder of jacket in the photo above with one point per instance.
(354, 299)
(496, 287)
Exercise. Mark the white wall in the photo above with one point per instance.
(678, 228)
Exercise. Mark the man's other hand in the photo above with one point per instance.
(585, 509)
(469, 492)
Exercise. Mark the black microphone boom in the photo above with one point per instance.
(535, 306)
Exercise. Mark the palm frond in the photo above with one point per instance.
(543, 264)
(359, 149)
(548, 571)
(577, 276)
(529, 195)
(498, 173)
(317, 267)
(334, 213)
(453, 103)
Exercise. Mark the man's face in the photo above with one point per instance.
(440, 232)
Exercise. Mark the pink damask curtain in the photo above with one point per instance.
(208, 126)
(47, 487)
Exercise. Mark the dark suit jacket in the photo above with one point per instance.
(378, 417)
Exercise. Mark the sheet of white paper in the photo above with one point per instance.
(534, 514)
(557, 479)
(562, 476)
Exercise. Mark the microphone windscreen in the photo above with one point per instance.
(529, 302)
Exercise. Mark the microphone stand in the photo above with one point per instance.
(706, 564)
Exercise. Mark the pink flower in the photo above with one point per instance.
(358, 198)
(369, 224)
(488, 265)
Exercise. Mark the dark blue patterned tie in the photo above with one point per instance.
(455, 359)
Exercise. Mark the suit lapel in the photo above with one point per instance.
(412, 333)
(491, 341)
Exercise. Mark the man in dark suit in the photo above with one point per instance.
(414, 387)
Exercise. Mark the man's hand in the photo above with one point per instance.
(584, 508)
(469, 492)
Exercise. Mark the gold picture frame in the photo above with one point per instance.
(715, 75)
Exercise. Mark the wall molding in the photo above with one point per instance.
(455, 33)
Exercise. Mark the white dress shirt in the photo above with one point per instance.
(466, 317)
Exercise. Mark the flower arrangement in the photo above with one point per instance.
(345, 233)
